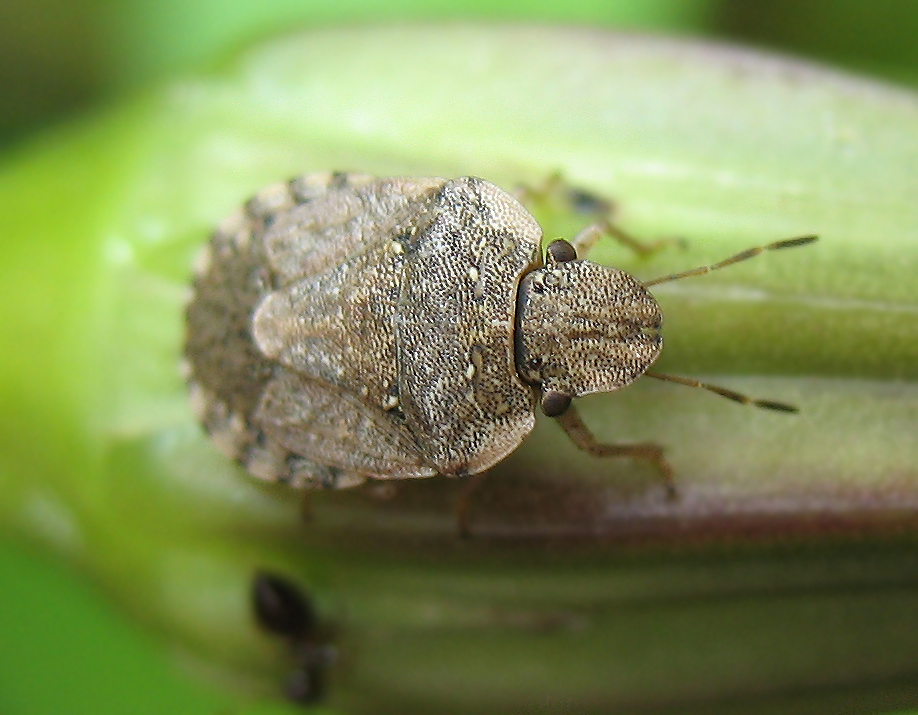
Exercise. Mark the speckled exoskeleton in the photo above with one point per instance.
(345, 327)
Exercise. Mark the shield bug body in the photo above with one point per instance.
(345, 327)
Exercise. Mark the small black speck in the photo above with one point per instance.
(281, 607)
(305, 685)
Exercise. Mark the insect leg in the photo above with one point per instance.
(584, 240)
(464, 503)
(582, 437)
(555, 191)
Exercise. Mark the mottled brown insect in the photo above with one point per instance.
(346, 327)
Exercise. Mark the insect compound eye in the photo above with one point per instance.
(555, 404)
(561, 251)
(280, 607)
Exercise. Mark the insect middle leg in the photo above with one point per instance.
(464, 503)
(581, 436)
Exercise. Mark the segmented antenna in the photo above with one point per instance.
(724, 392)
(742, 256)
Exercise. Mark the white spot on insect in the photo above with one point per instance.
(477, 364)
(236, 424)
(241, 239)
(346, 480)
(390, 403)
(263, 464)
(232, 226)
(553, 278)
(501, 324)
(199, 399)
(271, 200)
(507, 247)
(478, 279)
(227, 441)
(310, 187)
(396, 247)
(202, 261)
(470, 371)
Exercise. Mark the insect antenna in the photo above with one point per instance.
(724, 392)
(742, 256)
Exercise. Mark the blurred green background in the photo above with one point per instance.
(58, 57)
(61, 648)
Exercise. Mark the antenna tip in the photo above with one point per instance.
(776, 406)
(798, 241)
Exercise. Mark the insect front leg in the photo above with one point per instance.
(587, 237)
(555, 192)
(581, 436)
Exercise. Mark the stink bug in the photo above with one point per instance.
(345, 327)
